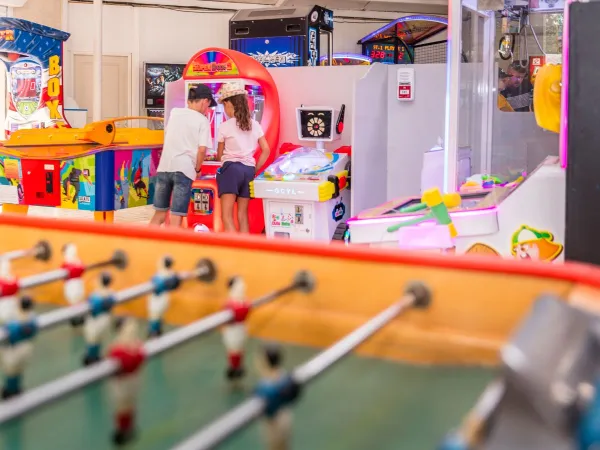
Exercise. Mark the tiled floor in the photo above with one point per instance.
(140, 214)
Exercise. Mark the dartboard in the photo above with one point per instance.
(316, 126)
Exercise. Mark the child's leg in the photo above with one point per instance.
(227, 202)
(244, 197)
(180, 203)
(162, 197)
(242, 213)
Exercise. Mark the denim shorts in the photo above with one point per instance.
(234, 178)
(174, 190)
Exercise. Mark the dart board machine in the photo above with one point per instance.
(305, 191)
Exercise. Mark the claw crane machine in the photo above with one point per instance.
(522, 219)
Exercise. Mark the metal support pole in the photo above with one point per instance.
(452, 95)
(218, 431)
(97, 61)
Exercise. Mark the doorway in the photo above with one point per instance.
(116, 86)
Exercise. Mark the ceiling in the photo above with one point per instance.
(386, 7)
(406, 7)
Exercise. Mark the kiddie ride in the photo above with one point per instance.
(305, 191)
(213, 67)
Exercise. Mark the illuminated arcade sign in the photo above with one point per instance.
(383, 53)
(211, 64)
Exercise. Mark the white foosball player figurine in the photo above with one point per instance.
(201, 228)
(128, 350)
(74, 287)
(158, 301)
(9, 287)
(234, 333)
(98, 322)
(16, 352)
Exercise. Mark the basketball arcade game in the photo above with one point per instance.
(33, 56)
(213, 67)
(305, 191)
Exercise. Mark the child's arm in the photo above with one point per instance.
(220, 149)
(202, 145)
(265, 151)
(200, 158)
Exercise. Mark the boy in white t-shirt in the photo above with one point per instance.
(186, 138)
(238, 139)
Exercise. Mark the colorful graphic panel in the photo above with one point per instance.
(11, 175)
(211, 64)
(286, 51)
(32, 54)
(135, 174)
(78, 183)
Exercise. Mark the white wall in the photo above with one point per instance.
(162, 35)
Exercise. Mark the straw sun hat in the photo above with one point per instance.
(231, 89)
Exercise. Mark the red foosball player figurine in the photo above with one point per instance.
(279, 390)
(234, 333)
(9, 287)
(74, 288)
(128, 350)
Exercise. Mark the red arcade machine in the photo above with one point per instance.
(213, 67)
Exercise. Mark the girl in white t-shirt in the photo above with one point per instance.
(238, 139)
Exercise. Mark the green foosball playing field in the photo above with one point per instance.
(359, 404)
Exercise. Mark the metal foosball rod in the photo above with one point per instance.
(204, 271)
(81, 378)
(473, 428)
(118, 260)
(416, 295)
(41, 251)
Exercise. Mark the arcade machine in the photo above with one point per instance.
(346, 59)
(98, 168)
(282, 37)
(33, 57)
(213, 67)
(305, 192)
(396, 42)
(524, 220)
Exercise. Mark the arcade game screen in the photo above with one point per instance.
(155, 76)
(216, 115)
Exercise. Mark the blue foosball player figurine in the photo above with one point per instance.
(589, 426)
(165, 281)
(278, 389)
(16, 351)
(97, 324)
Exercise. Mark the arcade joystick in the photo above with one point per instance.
(339, 125)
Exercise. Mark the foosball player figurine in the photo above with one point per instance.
(74, 288)
(9, 287)
(128, 350)
(234, 333)
(98, 322)
(279, 391)
(165, 281)
(17, 349)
